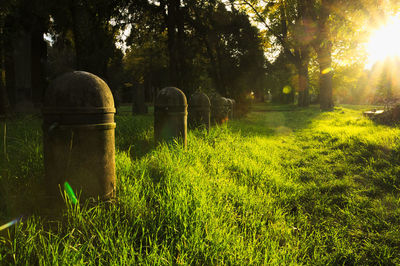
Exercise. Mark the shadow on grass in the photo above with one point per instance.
(22, 199)
(134, 134)
(141, 148)
(382, 166)
(21, 159)
(265, 120)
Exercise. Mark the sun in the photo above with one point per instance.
(384, 42)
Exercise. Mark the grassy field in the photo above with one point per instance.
(281, 186)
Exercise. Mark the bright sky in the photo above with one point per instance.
(384, 42)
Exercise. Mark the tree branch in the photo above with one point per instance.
(282, 41)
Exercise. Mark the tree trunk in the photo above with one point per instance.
(214, 70)
(138, 101)
(222, 89)
(171, 22)
(38, 59)
(3, 99)
(323, 47)
(181, 52)
(4, 104)
(82, 32)
(91, 42)
(325, 90)
(304, 98)
(9, 68)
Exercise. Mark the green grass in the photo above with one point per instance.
(276, 187)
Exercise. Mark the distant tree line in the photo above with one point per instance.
(194, 45)
(189, 44)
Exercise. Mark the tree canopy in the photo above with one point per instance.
(289, 48)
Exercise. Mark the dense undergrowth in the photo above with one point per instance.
(278, 187)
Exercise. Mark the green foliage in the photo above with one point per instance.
(378, 85)
(146, 61)
(388, 82)
(352, 84)
(204, 47)
(335, 30)
(279, 77)
(277, 187)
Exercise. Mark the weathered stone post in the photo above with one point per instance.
(233, 112)
(219, 113)
(78, 135)
(230, 108)
(227, 108)
(170, 115)
(199, 110)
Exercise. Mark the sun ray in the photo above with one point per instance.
(384, 42)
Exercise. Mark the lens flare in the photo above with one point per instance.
(70, 193)
(5, 226)
(287, 89)
(326, 70)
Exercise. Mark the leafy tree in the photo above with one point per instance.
(279, 80)
(288, 23)
(208, 48)
(321, 11)
(146, 60)
(336, 21)
(326, 26)
(233, 48)
(387, 81)
(93, 37)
